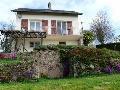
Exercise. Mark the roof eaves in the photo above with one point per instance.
(46, 11)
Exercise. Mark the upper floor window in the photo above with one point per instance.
(61, 27)
(35, 25)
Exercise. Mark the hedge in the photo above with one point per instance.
(112, 46)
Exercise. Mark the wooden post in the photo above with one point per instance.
(6, 42)
(16, 40)
(24, 42)
(41, 41)
(41, 37)
(17, 34)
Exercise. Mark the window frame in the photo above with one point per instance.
(66, 33)
(63, 43)
(30, 44)
(35, 21)
(34, 43)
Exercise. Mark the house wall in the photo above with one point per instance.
(45, 42)
(70, 40)
(73, 18)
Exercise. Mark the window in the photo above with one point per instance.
(37, 43)
(33, 44)
(64, 43)
(61, 28)
(35, 25)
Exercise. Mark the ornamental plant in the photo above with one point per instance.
(2, 55)
(107, 69)
(11, 55)
(113, 67)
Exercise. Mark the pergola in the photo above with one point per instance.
(14, 35)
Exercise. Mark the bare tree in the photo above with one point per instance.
(5, 40)
(101, 27)
(7, 25)
(116, 39)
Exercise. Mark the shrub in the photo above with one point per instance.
(11, 55)
(81, 59)
(107, 69)
(112, 46)
(2, 55)
(112, 54)
(87, 37)
(115, 66)
(21, 71)
(41, 47)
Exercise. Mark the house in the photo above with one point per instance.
(61, 27)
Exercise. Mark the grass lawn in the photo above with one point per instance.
(103, 82)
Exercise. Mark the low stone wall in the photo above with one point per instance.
(48, 64)
(18, 71)
(37, 64)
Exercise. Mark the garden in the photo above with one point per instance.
(99, 67)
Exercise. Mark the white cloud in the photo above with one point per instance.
(89, 8)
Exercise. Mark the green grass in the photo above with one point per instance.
(103, 82)
(9, 60)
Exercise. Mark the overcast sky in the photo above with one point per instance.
(89, 8)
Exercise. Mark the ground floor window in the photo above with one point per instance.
(34, 44)
(62, 43)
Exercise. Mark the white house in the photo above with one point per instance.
(61, 26)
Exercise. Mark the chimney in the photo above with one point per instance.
(49, 6)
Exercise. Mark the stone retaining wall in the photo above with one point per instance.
(48, 64)
(37, 64)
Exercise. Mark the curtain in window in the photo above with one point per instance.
(59, 28)
(37, 26)
(63, 27)
(32, 25)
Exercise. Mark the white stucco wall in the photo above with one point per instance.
(70, 40)
(74, 19)
(47, 42)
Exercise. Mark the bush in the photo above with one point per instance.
(2, 55)
(41, 47)
(21, 71)
(56, 47)
(11, 55)
(84, 60)
(113, 67)
(112, 53)
(111, 46)
(81, 59)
